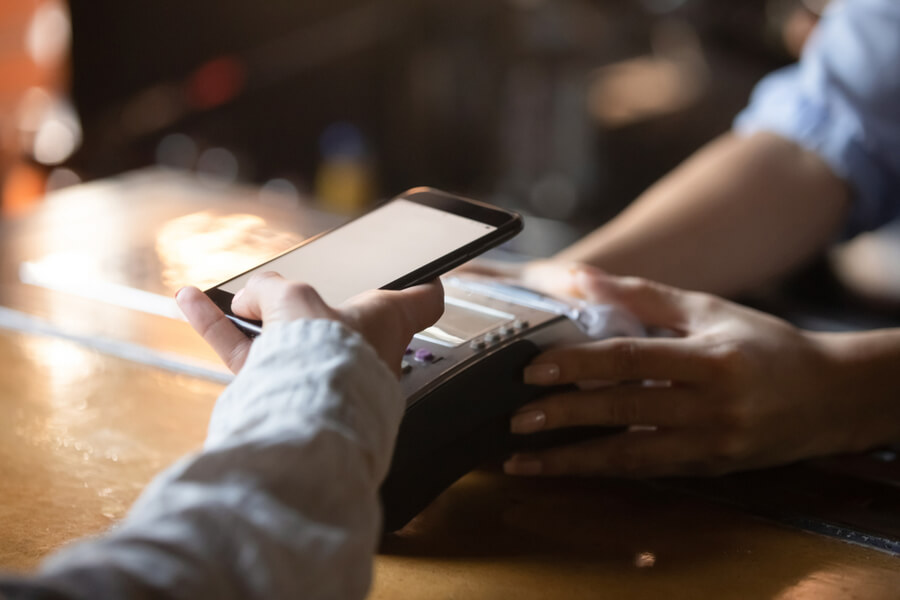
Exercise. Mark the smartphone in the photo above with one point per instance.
(408, 240)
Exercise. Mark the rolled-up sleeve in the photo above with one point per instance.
(842, 102)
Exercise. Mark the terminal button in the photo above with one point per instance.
(424, 355)
(491, 337)
(405, 367)
(477, 345)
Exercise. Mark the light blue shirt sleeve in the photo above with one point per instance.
(281, 503)
(842, 102)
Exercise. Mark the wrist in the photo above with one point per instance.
(861, 378)
(308, 369)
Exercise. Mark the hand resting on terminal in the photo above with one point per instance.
(736, 389)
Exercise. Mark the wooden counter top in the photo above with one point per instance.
(85, 430)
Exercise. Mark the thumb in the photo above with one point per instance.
(270, 298)
(411, 310)
(422, 305)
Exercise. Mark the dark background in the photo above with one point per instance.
(489, 98)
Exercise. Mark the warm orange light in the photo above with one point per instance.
(834, 583)
(21, 190)
(643, 560)
(203, 248)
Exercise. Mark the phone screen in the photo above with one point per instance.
(372, 251)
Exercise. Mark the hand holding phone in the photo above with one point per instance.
(387, 322)
(411, 239)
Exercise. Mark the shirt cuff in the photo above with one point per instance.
(306, 371)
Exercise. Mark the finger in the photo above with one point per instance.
(621, 359)
(270, 298)
(631, 454)
(214, 327)
(654, 304)
(619, 405)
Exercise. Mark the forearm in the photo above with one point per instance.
(742, 211)
(283, 500)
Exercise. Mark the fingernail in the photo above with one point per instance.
(178, 293)
(238, 295)
(528, 422)
(518, 465)
(541, 374)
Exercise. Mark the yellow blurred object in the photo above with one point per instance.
(345, 185)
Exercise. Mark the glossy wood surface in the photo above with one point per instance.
(83, 432)
(492, 536)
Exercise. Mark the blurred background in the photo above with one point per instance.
(562, 109)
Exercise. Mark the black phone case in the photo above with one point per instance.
(508, 225)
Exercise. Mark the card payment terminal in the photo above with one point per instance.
(462, 379)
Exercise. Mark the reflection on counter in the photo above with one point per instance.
(204, 248)
(128, 244)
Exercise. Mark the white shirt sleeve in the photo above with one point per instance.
(281, 503)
